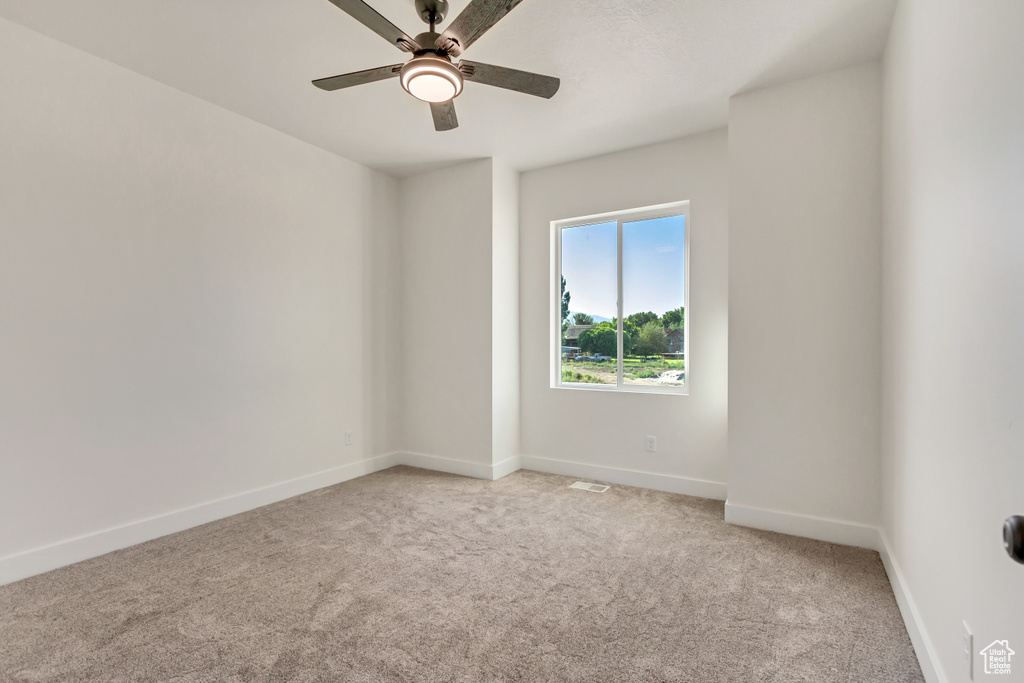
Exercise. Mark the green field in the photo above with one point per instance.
(603, 372)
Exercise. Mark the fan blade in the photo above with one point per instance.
(510, 79)
(472, 23)
(358, 77)
(444, 115)
(371, 19)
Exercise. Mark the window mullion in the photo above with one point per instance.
(621, 325)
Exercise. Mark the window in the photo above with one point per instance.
(620, 296)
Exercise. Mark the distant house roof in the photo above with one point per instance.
(573, 331)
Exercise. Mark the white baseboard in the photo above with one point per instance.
(449, 465)
(930, 666)
(462, 467)
(46, 558)
(819, 528)
(614, 475)
(506, 467)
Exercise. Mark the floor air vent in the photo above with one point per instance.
(596, 488)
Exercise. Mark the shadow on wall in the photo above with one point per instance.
(830, 45)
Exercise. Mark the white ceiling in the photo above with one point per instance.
(633, 71)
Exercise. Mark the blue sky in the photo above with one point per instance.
(653, 276)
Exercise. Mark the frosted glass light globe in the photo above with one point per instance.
(431, 87)
(431, 79)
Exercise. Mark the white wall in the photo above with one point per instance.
(505, 443)
(602, 433)
(182, 301)
(382, 291)
(804, 298)
(445, 315)
(953, 451)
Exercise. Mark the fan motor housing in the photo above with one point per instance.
(427, 40)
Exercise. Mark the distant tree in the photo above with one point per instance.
(602, 340)
(598, 341)
(651, 340)
(565, 301)
(565, 310)
(674, 319)
(582, 319)
(628, 327)
(629, 332)
(641, 319)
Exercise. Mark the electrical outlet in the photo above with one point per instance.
(652, 444)
(967, 644)
(349, 439)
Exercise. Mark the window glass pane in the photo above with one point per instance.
(653, 296)
(589, 300)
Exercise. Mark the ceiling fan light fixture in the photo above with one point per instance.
(431, 79)
(429, 75)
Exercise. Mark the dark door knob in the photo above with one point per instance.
(1013, 537)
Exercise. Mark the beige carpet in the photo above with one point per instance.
(409, 575)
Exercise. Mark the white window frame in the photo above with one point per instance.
(681, 208)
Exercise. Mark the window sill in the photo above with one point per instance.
(634, 389)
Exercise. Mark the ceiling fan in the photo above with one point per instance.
(430, 75)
